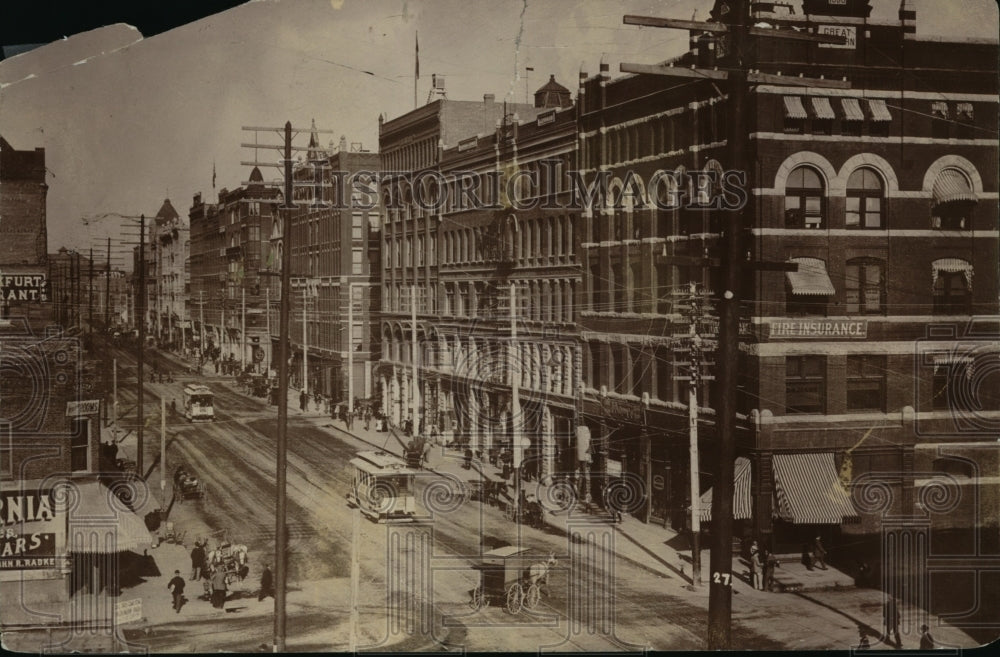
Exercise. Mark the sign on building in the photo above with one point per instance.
(87, 407)
(848, 32)
(810, 329)
(23, 286)
(32, 533)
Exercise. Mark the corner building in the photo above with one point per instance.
(870, 372)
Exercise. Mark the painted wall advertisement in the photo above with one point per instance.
(32, 532)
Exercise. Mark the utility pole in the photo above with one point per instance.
(281, 465)
(695, 346)
(305, 339)
(114, 393)
(414, 401)
(733, 69)
(517, 449)
(140, 312)
(222, 321)
(201, 320)
(267, 319)
(350, 349)
(107, 289)
(243, 330)
(163, 447)
(90, 295)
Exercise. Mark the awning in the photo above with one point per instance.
(811, 279)
(742, 507)
(951, 265)
(852, 109)
(821, 107)
(878, 109)
(100, 523)
(808, 490)
(951, 187)
(794, 108)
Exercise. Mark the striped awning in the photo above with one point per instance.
(794, 108)
(878, 109)
(951, 187)
(101, 524)
(821, 107)
(852, 109)
(808, 490)
(951, 265)
(811, 279)
(742, 507)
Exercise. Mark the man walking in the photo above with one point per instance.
(819, 554)
(266, 583)
(197, 560)
(176, 586)
(219, 588)
(892, 622)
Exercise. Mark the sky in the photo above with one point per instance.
(128, 121)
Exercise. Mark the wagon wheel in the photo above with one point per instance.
(532, 596)
(479, 599)
(514, 597)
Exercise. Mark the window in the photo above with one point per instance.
(954, 201)
(866, 383)
(357, 261)
(805, 384)
(940, 122)
(79, 444)
(864, 199)
(597, 365)
(357, 226)
(662, 358)
(951, 293)
(804, 202)
(795, 115)
(619, 362)
(864, 286)
(965, 120)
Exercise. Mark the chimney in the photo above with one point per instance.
(489, 99)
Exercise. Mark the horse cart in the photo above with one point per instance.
(514, 577)
(232, 559)
(187, 486)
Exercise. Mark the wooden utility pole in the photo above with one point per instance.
(735, 73)
(140, 313)
(107, 290)
(90, 295)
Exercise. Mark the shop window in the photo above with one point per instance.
(866, 383)
(804, 199)
(865, 199)
(805, 385)
(952, 295)
(864, 286)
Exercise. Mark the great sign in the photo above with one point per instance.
(23, 287)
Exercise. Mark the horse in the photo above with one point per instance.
(538, 573)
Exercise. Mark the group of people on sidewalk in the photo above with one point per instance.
(762, 565)
(214, 580)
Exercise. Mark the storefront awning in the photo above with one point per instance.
(742, 507)
(794, 108)
(878, 109)
(100, 524)
(821, 107)
(852, 109)
(808, 490)
(811, 279)
(952, 187)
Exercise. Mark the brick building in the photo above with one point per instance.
(871, 367)
(23, 246)
(169, 242)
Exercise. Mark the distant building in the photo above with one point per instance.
(23, 190)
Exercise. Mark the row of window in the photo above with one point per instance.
(539, 301)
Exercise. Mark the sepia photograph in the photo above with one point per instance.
(460, 326)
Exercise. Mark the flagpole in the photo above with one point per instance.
(416, 66)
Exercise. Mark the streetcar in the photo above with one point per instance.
(199, 404)
(382, 487)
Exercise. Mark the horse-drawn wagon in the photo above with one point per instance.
(515, 577)
(187, 486)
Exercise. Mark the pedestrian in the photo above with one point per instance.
(176, 586)
(770, 563)
(197, 560)
(219, 588)
(863, 643)
(807, 556)
(819, 553)
(926, 640)
(303, 401)
(892, 622)
(756, 567)
(266, 583)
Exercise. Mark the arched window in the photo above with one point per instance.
(864, 286)
(954, 200)
(864, 199)
(805, 203)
